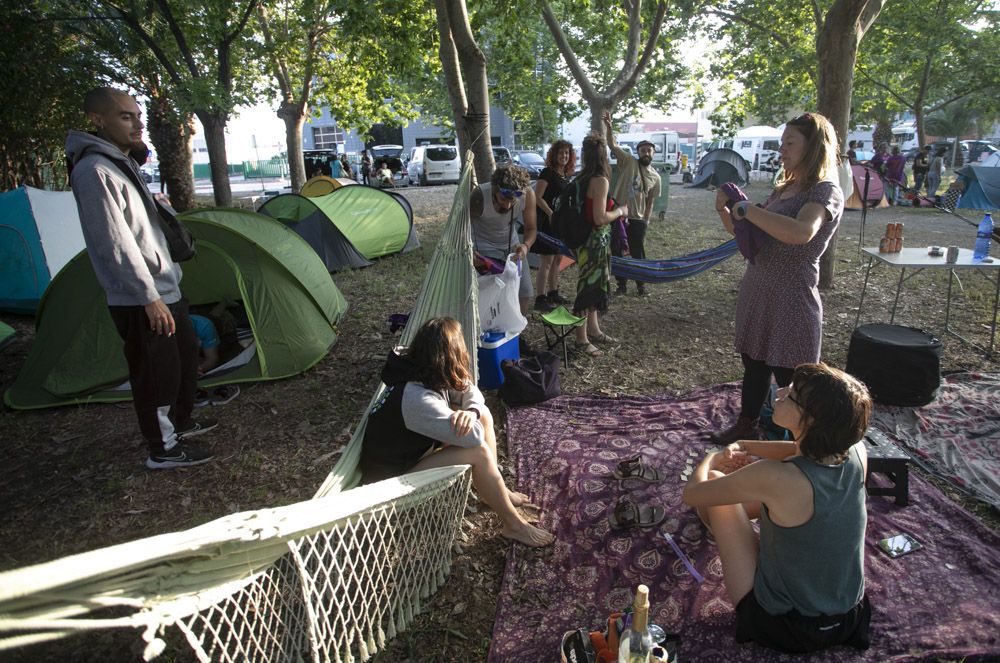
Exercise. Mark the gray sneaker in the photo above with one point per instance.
(182, 454)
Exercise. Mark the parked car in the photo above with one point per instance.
(501, 155)
(434, 164)
(392, 155)
(979, 149)
(530, 161)
(147, 174)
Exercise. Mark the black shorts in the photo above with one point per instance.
(795, 633)
(545, 226)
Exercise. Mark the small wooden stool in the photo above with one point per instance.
(888, 459)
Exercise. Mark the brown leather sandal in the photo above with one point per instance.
(636, 468)
(628, 514)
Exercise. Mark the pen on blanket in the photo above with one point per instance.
(684, 559)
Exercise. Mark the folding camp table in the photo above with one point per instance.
(918, 260)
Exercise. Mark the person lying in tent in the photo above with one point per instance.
(432, 415)
(799, 585)
(208, 358)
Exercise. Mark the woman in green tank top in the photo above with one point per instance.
(798, 586)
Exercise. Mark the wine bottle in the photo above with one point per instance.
(636, 644)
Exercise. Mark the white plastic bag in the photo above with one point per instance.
(499, 308)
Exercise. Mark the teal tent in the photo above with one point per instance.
(350, 226)
(982, 187)
(39, 233)
(290, 301)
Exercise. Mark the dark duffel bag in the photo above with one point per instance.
(530, 380)
(900, 365)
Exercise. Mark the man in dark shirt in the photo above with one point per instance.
(921, 164)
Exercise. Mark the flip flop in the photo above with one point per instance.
(604, 338)
(589, 349)
(628, 514)
(636, 468)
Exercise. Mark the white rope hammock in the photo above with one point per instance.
(329, 579)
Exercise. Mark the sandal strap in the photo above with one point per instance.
(626, 513)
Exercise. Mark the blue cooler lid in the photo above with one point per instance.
(491, 337)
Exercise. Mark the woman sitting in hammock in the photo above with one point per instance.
(800, 585)
(432, 415)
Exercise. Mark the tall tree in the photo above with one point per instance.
(921, 56)
(345, 55)
(464, 68)
(208, 57)
(604, 76)
(953, 121)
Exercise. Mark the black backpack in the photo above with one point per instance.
(569, 222)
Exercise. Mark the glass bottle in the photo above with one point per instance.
(636, 644)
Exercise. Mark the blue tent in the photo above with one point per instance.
(39, 233)
(982, 187)
(720, 166)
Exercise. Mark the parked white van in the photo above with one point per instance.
(759, 146)
(434, 164)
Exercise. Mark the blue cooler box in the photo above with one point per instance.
(494, 347)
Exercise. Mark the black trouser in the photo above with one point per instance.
(757, 384)
(636, 233)
(162, 370)
(918, 180)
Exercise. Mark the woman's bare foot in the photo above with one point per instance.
(521, 500)
(528, 534)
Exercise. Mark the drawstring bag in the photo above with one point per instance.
(530, 380)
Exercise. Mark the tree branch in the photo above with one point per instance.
(586, 89)
(616, 90)
(861, 69)
(179, 37)
(132, 22)
(737, 18)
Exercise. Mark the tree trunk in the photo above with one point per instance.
(172, 137)
(598, 105)
(837, 38)
(294, 116)
(473, 99)
(215, 139)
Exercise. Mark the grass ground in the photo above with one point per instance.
(74, 479)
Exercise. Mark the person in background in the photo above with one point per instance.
(880, 157)
(936, 172)
(385, 175)
(779, 313)
(895, 174)
(495, 207)
(345, 166)
(431, 415)
(336, 168)
(132, 262)
(366, 168)
(638, 186)
(560, 164)
(594, 282)
(852, 153)
(799, 585)
(921, 164)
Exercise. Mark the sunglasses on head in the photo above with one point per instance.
(805, 118)
(511, 193)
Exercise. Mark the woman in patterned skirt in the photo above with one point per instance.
(779, 314)
(593, 286)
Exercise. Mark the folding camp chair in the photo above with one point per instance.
(560, 323)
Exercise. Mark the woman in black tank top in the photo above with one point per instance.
(560, 164)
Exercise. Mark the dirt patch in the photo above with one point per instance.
(74, 479)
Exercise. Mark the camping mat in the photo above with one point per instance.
(942, 601)
(957, 437)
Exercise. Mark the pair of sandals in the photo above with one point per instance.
(627, 514)
(591, 350)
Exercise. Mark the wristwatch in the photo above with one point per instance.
(740, 209)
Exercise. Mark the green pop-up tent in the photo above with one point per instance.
(290, 301)
(348, 227)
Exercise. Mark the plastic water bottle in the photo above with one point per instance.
(983, 236)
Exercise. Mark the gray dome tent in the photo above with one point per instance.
(720, 166)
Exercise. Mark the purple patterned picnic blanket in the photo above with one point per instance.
(957, 437)
(942, 601)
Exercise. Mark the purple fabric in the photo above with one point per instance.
(942, 601)
(619, 237)
(749, 238)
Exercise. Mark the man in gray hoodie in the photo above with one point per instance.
(132, 262)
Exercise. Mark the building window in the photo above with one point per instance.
(327, 138)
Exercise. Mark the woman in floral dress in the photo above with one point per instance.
(779, 314)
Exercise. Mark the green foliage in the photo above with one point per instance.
(928, 54)
(45, 69)
(770, 52)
